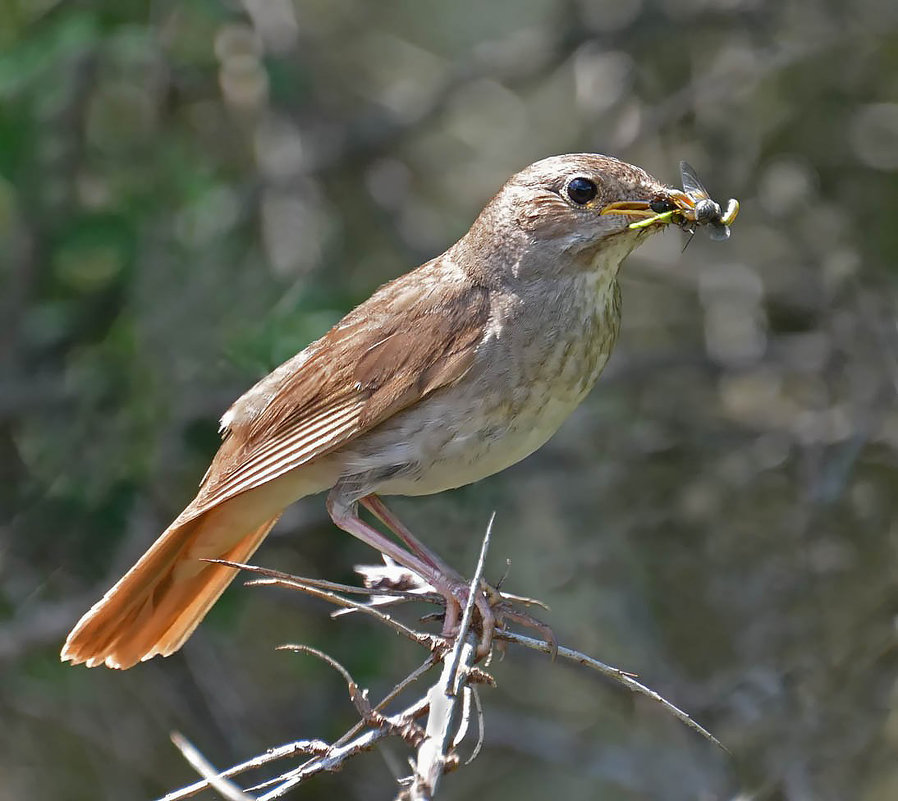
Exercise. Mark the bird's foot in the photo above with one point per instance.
(494, 609)
(505, 611)
(456, 594)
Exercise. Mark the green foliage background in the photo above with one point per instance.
(190, 192)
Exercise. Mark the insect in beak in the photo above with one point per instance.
(658, 211)
(689, 209)
(704, 210)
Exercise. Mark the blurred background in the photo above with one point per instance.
(191, 192)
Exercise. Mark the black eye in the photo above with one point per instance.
(581, 190)
(662, 204)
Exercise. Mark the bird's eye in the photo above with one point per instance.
(660, 205)
(581, 190)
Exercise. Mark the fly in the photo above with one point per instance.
(705, 211)
(691, 208)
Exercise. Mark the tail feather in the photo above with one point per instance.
(159, 602)
(189, 606)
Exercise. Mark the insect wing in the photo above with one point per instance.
(720, 232)
(691, 184)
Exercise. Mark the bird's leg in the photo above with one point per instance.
(500, 605)
(379, 509)
(484, 600)
(448, 584)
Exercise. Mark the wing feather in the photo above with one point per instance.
(387, 354)
(282, 456)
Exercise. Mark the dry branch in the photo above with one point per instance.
(445, 695)
(225, 788)
(447, 703)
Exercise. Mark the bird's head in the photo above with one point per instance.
(572, 212)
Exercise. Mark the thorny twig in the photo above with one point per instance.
(324, 756)
(331, 758)
(279, 579)
(450, 696)
(225, 788)
(618, 675)
(444, 696)
(406, 729)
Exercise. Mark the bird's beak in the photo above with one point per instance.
(683, 206)
(631, 208)
(642, 209)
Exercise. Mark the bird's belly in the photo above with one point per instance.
(462, 434)
(484, 447)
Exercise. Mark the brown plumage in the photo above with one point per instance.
(335, 396)
(444, 375)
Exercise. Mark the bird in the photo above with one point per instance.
(446, 375)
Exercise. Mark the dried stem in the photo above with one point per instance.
(445, 695)
(448, 703)
(278, 579)
(618, 675)
(225, 788)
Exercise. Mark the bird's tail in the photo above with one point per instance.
(158, 603)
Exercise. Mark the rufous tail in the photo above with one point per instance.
(158, 603)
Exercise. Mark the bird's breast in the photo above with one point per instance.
(540, 356)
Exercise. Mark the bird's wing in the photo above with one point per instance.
(387, 354)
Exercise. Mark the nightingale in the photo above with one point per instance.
(446, 375)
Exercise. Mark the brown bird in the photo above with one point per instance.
(446, 375)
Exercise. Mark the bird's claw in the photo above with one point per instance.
(493, 609)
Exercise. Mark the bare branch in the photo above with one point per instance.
(222, 786)
(444, 696)
(405, 729)
(481, 731)
(618, 675)
(314, 748)
(297, 748)
(276, 578)
(336, 756)
(452, 697)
